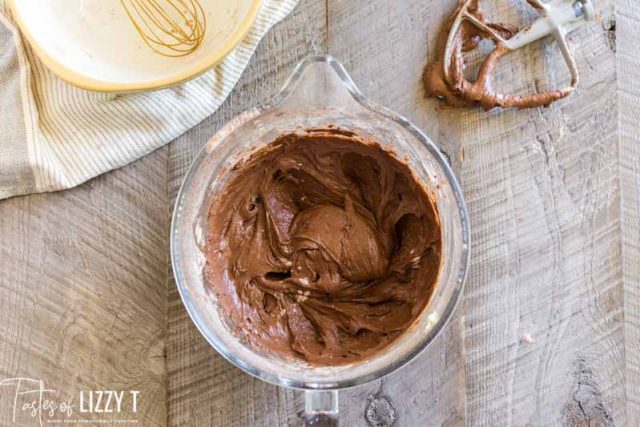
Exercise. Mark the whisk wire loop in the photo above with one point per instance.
(170, 28)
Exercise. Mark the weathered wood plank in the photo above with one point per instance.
(627, 27)
(203, 388)
(82, 291)
(543, 194)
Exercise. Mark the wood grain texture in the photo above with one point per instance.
(203, 388)
(626, 26)
(543, 308)
(82, 291)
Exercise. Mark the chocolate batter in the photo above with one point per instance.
(454, 89)
(323, 247)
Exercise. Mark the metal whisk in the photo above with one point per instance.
(169, 27)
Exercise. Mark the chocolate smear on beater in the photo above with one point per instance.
(444, 77)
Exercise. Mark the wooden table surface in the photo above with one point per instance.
(548, 331)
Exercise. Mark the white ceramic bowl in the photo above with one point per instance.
(92, 43)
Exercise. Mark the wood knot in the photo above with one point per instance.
(609, 27)
(380, 412)
(586, 407)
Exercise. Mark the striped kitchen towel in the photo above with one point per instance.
(55, 136)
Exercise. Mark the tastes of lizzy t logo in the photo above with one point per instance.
(27, 398)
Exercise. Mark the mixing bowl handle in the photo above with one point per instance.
(321, 408)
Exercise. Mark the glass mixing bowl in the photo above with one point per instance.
(319, 93)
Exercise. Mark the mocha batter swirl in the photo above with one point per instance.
(322, 247)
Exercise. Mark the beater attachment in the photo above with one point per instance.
(466, 28)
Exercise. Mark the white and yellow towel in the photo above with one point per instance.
(55, 136)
